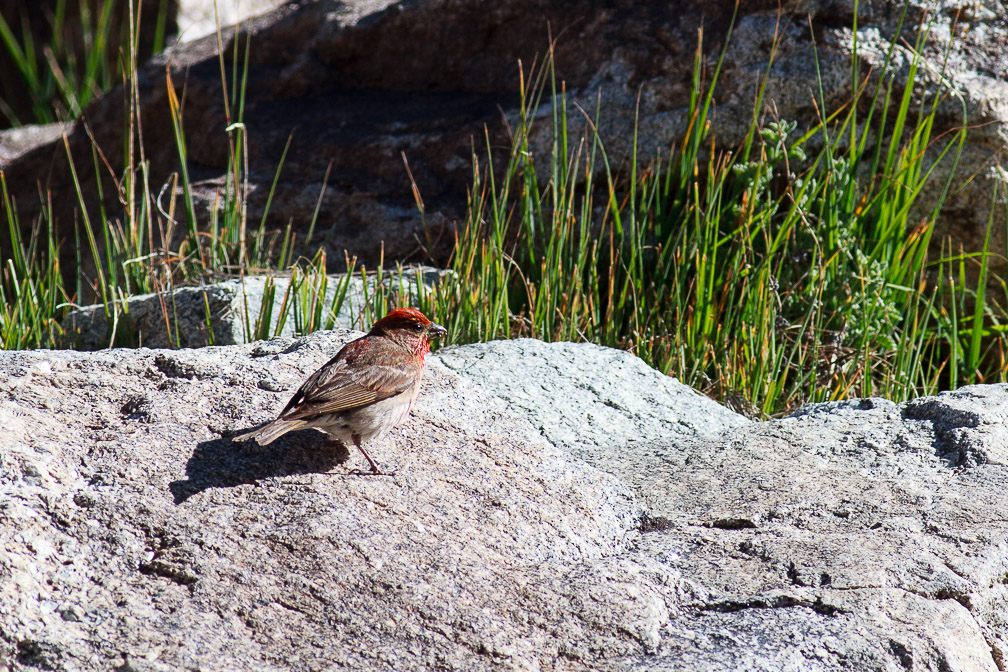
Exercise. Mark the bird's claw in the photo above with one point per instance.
(376, 472)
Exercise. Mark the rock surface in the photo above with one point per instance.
(361, 83)
(553, 507)
(198, 18)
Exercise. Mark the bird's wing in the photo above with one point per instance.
(345, 382)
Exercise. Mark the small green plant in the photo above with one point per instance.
(140, 251)
(31, 285)
(79, 61)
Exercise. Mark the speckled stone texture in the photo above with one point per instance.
(554, 507)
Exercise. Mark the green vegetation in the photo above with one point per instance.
(765, 274)
(82, 57)
(787, 270)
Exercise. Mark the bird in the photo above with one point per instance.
(369, 387)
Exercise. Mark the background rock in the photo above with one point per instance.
(361, 83)
(538, 519)
(229, 312)
(199, 18)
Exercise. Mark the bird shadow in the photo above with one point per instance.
(225, 463)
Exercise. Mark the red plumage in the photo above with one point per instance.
(367, 388)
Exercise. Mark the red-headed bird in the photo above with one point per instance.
(369, 387)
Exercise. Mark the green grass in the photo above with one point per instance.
(80, 59)
(792, 268)
(772, 274)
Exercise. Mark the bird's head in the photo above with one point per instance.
(409, 327)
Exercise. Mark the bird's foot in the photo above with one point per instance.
(374, 472)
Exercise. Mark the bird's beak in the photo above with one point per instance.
(436, 331)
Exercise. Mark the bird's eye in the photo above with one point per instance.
(417, 326)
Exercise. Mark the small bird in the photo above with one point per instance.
(367, 388)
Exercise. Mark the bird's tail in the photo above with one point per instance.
(272, 431)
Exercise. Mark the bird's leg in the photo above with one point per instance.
(375, 471)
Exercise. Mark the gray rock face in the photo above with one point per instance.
(553, 507)
(198, 18)
(606, 414)
(853, 515)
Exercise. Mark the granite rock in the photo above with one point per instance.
(553, 506)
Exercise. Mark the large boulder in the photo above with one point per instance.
(552, 507)
(365, 83)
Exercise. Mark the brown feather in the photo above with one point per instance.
(342, 385)
(369, 386)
